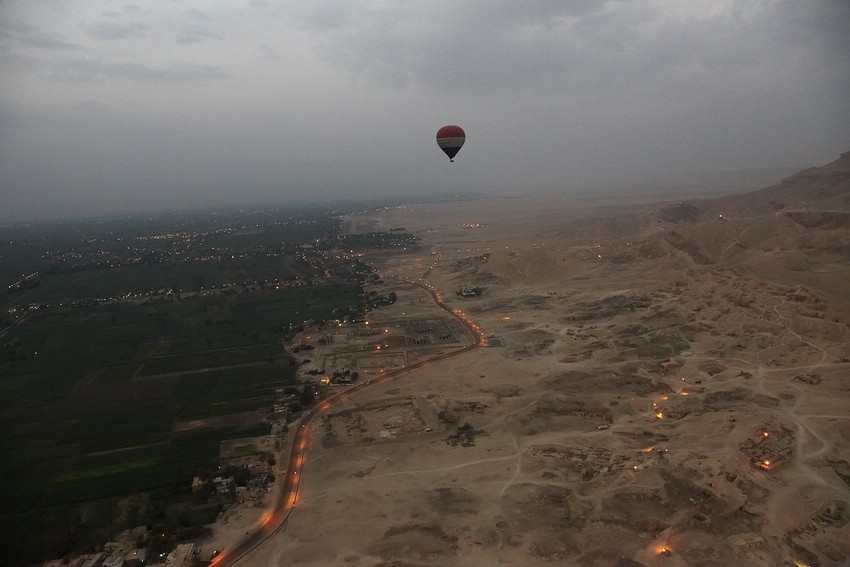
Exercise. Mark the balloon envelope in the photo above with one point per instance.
(450, 139)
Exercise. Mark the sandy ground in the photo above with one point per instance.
(640, 410)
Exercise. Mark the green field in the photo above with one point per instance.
(90, 394)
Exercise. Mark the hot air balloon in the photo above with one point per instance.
(450, 139)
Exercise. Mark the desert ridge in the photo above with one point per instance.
(663, 384)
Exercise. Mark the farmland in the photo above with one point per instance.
(109, 349)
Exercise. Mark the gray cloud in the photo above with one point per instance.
(87, 70)
(107, 29)
(196, 34)
(269, 52)
(196, 14)
(198, 27)
(106, 107)
(553, 45)
(30, 36)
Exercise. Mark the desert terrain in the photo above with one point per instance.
(662, 384)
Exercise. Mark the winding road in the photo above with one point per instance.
(273, 520)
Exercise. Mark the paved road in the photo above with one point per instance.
(300, 440)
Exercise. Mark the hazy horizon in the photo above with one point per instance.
(115, 108)
(690, 185)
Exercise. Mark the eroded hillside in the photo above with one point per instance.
(663, 386)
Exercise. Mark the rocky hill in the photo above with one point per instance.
(797, 231)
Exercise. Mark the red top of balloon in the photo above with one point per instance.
(451, 131)
(450, 139)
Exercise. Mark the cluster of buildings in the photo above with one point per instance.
(123, 552)
(470, 291)
(341, 378)
(770, 448)
(254, 489)
(26, 281)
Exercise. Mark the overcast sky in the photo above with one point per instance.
(119, 106)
